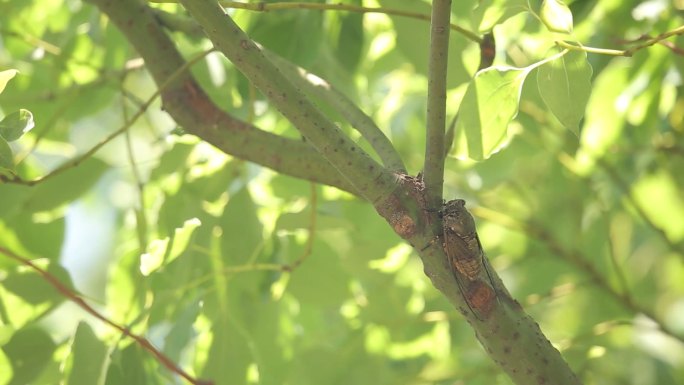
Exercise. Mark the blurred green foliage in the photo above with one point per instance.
(182, 244)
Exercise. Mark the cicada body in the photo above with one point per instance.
(461, 243)
(466, 258)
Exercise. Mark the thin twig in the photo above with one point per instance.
(140, 217)
(78, 300)
(79, 159)
(624, 186)
(627, 52)
(266, 7)
(308, 247)
(576, 258)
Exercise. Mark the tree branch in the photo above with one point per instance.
(433, 170)
(373, 181)
(185, 101)
(312, 85)
(80, 302)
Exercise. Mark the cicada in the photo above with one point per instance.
(464, 251)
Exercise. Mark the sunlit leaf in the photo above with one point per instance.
(556, 16)
(489, 13)
(16, 124)
(164, 251)
(6, 76)
(5, 368)
(490, 103)
(565, 86)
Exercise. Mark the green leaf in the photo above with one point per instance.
(6, 76)
(164, 251)
(65, 187)
(6, 157)
(489, 104)
(88, 356)
(565, 86)
(350, 40)
(5, 369)
(489, 13)
(34, 288)
(413, 41)
(16, 124)
(556, 16)
(29, 352)
(128, 367)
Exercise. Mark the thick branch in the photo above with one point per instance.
(373, 181)
(185, 101)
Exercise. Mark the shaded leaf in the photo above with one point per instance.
(350, 40)
(29, 352)
(489, 104)
(6, 157)
(16, 124)
(128, 367)
(34, 288)
(565, 86)
(88, 355)
(65, 187)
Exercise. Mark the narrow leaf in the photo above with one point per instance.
(16, 124)
(565, 86)
(556, 16)
(5, 77)
(489, 104)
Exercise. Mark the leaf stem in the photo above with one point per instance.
(601, 51)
